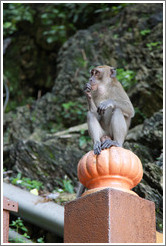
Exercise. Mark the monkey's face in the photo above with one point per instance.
(96, 77)
(101, 74)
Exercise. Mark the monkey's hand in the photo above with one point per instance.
(87, 90)
(104, 105)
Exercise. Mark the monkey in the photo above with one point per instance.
(109, 111)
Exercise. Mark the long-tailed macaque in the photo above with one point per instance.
(110, 110)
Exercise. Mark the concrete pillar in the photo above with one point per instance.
(110, 216)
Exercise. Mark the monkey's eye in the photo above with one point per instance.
(97, 73)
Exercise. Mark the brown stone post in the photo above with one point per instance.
(8, 206)
(109, 211)
(110, 216)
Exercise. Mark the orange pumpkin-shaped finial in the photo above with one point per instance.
(115, 167)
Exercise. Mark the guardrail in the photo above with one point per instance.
(48, 215)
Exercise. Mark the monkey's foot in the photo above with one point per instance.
(108, 143)
(97, 148)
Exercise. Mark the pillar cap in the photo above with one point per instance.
(115, 167)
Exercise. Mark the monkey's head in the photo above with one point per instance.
(103, 74)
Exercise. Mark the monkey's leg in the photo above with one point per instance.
(119, 126)
(95, 131)
(118, 130)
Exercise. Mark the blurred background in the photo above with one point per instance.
(48, 50)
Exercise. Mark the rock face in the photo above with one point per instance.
(146, 141)
(117, 42)
(30, 143)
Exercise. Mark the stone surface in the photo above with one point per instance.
(110, 216)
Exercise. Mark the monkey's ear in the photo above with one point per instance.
(113, 73)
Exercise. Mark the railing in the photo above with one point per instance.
(8, 206)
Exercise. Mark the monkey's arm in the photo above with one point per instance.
(104, 105)
(124, 105)
(91, 105)
(123, 102)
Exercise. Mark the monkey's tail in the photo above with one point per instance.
(80, 190)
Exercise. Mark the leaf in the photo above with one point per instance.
(145, 32)
(44, 16)
(69, 187)
(34, 192)
(7, 24)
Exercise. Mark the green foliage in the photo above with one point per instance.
(26, 182)
(16, 94)
(59, 20)
(40, 240)
(145, 32)
(12, 104)
(126, 77)
(84, 139)
(17, 240)
(73, 111)
(118, 8)
(56, 31)
(129, 29)
(153, 45)
(14, 13)
(68, 187)
(52, 127)
(141, 117)
(116, 36)
(19, 226)
(81, 62)
(65, 184)
(80, 13)
(136, 146)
